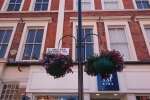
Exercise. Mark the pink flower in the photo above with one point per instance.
(59, 54)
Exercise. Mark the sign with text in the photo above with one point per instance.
(64, 51)
(109, 84)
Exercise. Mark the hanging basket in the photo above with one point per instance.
(56, 70)
(57, 65)
(106, 63)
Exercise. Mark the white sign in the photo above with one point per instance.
(64, 51)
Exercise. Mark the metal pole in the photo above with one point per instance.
(80, 68)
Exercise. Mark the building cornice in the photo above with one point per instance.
(142, 18)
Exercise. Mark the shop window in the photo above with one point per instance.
(4, 41)
(33, 44)
(118, 41)
(9, 92)
(142, 4)
(89, 49)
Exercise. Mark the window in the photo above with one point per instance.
(33, 44)
(89, 49)
(142, 4)
(4, 41)
(147, 30)
(111, 4)
(86, 4)
(14, 5)
(41, 5)
(9, 92)
(118, 41)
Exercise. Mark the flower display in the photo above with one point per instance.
(57, 65)
(106, 63)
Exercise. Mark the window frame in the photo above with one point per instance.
(12, 26)
(145, 24)
(92, 5)
(121, 24)
(135, 6)
(32, 5)
(120, 5)
(92, 25)
(6, 4)
(28, 26)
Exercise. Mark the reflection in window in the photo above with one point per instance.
(9, 92)
(118, 41)
(86, 4)
(33, 44)
(14, 5)
(88, 44)
(142, 4)
(111, 4)
(4, 40)
(41, 5)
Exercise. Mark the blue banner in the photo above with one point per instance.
(109, 84)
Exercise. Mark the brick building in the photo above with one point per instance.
(29, 27)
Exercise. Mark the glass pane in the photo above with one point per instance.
(45, 0)
(37, 7)
(36, 52)
(17, 7)
(89, 50)
(39, 36)
(1, 35)
(107, 5)
(27, 52)
(4, 86)
(82, 53)
(38, 0)
(124, 50)
(139, 5)
(114, 0)
(148, 33)
(19, 1)
(87, 6)
(7, 36)
(86, 0)
(11, 7)
(121, 35)
(115, 5)
(90, 37)
(114, 47)
(3, 50)
(44, 7)
(107, 0)
(3, 92)
(146, 4)
(113, 35)
(31, 35)
(12, 1)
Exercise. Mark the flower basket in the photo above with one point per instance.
(106, 63)
(57, 65)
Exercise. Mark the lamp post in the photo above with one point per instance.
(80, 67)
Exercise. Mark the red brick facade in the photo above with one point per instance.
(55, 5)
(69, 5)
(128, 4)
(1, 3)
(98, 4)
(26, 5)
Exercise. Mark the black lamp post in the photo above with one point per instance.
(80, 67)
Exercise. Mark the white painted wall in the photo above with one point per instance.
(134, 79)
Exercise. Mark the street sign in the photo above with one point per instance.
(64, 51)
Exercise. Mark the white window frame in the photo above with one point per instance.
(120, 4)
(92, 5)
(12, 26)
(6, 4)
(135, 6)
(32, 5)
(145, 24)
(92, 25)
(24, 37)
(121, 24)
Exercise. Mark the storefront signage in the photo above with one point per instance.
(110, 83)
(64, 51)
